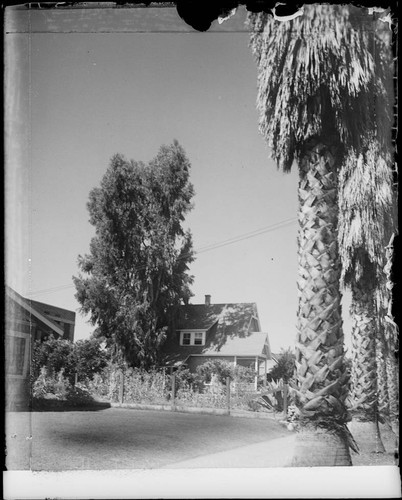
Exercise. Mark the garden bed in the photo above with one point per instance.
(46, 404)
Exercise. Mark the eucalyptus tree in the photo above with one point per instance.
(316, 78)
(136, 272)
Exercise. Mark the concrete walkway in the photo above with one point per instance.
(273, 453)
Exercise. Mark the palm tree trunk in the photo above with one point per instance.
(382, 382)
(390, 331)
(364, 397)
(322, 380)
(393, 390)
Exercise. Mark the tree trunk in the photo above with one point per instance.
(322, 380)
(364, 397)
(390, 333)
(382, 382)
(393, 390)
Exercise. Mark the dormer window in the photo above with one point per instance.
(198, 338)
(192, 338)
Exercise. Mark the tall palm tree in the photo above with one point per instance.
(382, 379)
(389, 337)
(315, 85)
(365, 207)
(366, 220)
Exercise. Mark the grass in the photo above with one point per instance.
(118, 438)
(58, 437)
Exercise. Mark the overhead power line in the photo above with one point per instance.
(206, 248)
(246, 236)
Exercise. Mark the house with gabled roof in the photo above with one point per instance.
(25, 321)
(229, 332)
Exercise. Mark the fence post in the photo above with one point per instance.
(76, 379)
(173, 392)
(285, 398)
(121, 388)
(228, 394)
(164, 380)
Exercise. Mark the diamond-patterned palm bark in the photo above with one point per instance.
(322, 380)
(382, 382)
(393, 390)
(364, 390)
(364, 367)
(390, 334)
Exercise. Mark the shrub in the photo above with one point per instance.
(62, 385)
(79, 395)
(253, 405)
(185, 380)
(43, 385)
(274, 392)
(46, 385)
(293, 415)
(99, 386)
(55, 355)
(222, 369)
(58, 388)
(84, 358)
(244, 375)
(284, 368)
(144, 386)
(90, 358)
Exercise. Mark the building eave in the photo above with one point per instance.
(26, 305)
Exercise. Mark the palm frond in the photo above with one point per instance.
(317, 74)
(366, 215)
(387, 326)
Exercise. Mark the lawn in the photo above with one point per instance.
(118, 438)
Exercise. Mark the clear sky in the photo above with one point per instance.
(85, 94)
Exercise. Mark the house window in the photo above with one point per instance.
(186, 338)
(198, 338)
(192, 338)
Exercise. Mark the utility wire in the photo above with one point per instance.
(206, 248)
(246, 236)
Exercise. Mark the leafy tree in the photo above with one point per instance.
(284, 368)
(317, 80)
(90, 358)
(55, 355)
(137, 270)
(84, 358)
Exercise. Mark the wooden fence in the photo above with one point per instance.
(230, 396)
